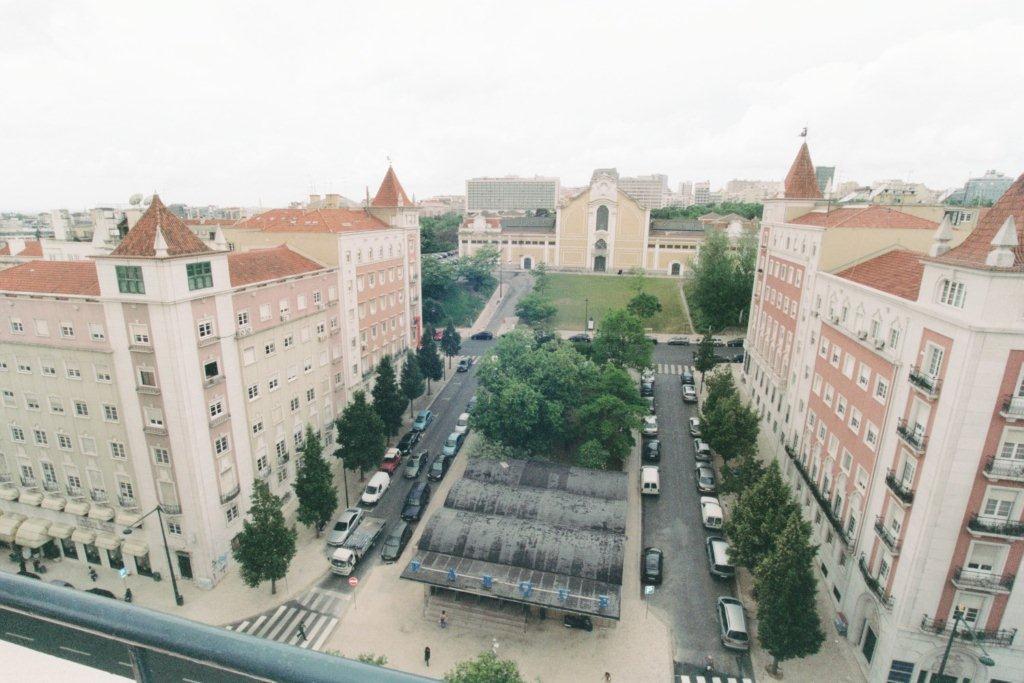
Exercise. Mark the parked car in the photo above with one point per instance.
(375, 488)
(650, 427)
(471, 404)
(414, 464)
(647, 375)
(579, 621)
(465, 363)
(711, 512)
(423, 420)
(416, 501)
(689, 394)
(395, 542)
(452, 444)
(650, 404)
(718, 558)
(392, 460)
(738, 358)
(581, 337)
(462, 424)
(483, 335)
(647, 388)
(650, 480)
(343, 526)
(701, 450)
(542, 336)
(439, 467)
(686, 378)
(694, 426)
(705, 478)
(408, 440)
(735, 342)
(653, 340)
(651, 565)
(652, 450)
(679, 341)
(717, 341)
(102, 592)
(732, 624)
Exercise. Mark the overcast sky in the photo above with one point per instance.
(259, 103)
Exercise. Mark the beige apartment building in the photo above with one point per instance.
(171, 373)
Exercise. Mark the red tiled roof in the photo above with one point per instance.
(260, 265)
(320, 220)
(179, 239)
(390, 193)
(5, 250)
(801, 181)
(897, 272)
(32, 248)
(866, 217)
(976, 246)
(52, 277)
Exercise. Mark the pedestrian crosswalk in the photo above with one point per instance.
(713, 679)
(316, 611)
(672, 368)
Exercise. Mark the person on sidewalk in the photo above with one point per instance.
(443, 621)
(607, 677)
(302, 630)
(426, 656)
(127, 594)
(92, 574)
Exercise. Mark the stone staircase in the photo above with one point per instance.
(479, 614)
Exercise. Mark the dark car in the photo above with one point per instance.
(652, 450)
(578, 621)
(410, 439)
(647, 388)
(439, 467)
(581, 337)
(705, 477)
(651, 565)
(735, 342)
(678, 341)
(652, 340)
(30, 575)
(543, 336)
(416, 501)
(738, 358)
(464, 364)
(686, 377)
(650, 404)
(483, 336)
(103, 592)
(395, 542)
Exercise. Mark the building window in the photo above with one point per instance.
(161, 455)
(64, 441)
(40, 437)
(601, 222)
(129, 280)
(221, 444)
(232, 513)
(102, 373)
(242, 318)
(117, 451)
(96, 332)
(253, 391)
(174, 528)
(211, 369)
(72, 371)
(952, 293)
(147, 378)
(17, 327)
(109, 413)
(206, 329)
(200, 275)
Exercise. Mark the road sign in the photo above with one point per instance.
(648, 590)
(353, 581)
(123, 572)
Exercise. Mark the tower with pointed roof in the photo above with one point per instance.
(801, 181)
(392, 205)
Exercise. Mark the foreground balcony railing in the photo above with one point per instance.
(823, 503)
(965, 577)
(876, 587)
(899, 487)
(170, 508)
(1003, 468)
(995, 526)
(910, 435)
(229, 496)
(924, 382)
(998, 637)
(890, 540)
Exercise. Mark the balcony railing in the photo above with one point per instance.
(996, 637)
(5, 477)
(886, 535)
(910, 435)
(823, 503)
(264, 473)
(1002, 468)
(898, 487)
(924, 382)
(790, 451)
(50, 486)
(98, 496)
(74, 491)
(876, 587)
(1012, 407)
(965, 577)
(29, 482)
(170, 508)
(127, 502)
(995, 526)
(146, 389)
(230, 495)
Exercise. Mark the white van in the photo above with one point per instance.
(375, 489)
(462, 424)
(650, 480)
(711, 512)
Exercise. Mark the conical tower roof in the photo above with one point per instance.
(174, 236)
(390, 194)
(801, 181)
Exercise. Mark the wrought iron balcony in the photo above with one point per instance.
(898, 487)
(790, 451)
(98, 496)
(170, 508)
(887, 536)
(230, 495)
(50, 486)
(823, 503)
(127, 502)
(965, 577)
(74, 491)
(996, 637)
(1002, 468)
(925, 383)
(910, 436)
(1012, 407)
(29, 482)
(995, 526)
(5, 477)
(876, 587)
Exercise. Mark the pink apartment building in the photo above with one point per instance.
(172, 372)
(888, 364)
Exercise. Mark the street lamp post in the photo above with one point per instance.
(178, 599)
(586, 313)
(958, 613)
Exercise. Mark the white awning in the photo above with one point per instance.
(107, 541)
(61, 530)
(30, 498)
(32, 533)
(54, 502)
(77, 507)
(9, 524)
(83, 536)
(135, 548)
(103, 513)
(9, 493)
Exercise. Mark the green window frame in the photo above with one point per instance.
(129, 280)
(200, 275)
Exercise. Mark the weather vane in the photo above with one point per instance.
(803, 133)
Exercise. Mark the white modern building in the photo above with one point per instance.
(511, 193)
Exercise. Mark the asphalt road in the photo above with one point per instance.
(672, 522)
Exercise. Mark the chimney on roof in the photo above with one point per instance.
(1003, 244)
(332, 201)
(159, 243)
(219, 240)
(943, 236)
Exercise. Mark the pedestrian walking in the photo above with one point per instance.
(443, 621)
(607, 677)
(92, 574)
(127, 594)
(302, 630)
(426, 656)
(494, 646)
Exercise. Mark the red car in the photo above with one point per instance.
(392, 460)
(438, 335)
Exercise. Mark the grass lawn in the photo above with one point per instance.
(464, 305)
(605, 292)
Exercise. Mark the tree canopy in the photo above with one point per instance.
(360, 435)
(704, 357)
(451, 341)
(439, 233)
(388, 400)
(730, 428)
(412, 383)
(486, 668)
(746, 209)
(722, 279)
(758, 517)
(536, 309)
(620, 340)
(314, 488)
(644, 305)
(431, 365)
(478, 269)
(265, 547)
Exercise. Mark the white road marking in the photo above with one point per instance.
(18, 635)
(323, 634)
(77, 652)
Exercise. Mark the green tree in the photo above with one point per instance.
(478, 269)
(704, 357)
(536, 309)
(412, 383)
(720, 385)
(746, 209)
(541, 279)
(712, 289)
(512, 397)
(370, 658)
(740, 475)
(757, 519)
(265, 547)
(486, 668)
(593, 455)
(730, 428)
(451, 342)
(788, 625)
(644, 305)
(438, 278)
(439, 233)
(387, 399)
(431, 365)
(360, 435)
(620, 340)
(744, 266)
(318, 499)
(611, 421)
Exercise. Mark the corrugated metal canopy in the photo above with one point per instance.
(546, 475)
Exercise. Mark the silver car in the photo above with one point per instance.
(343, 526)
